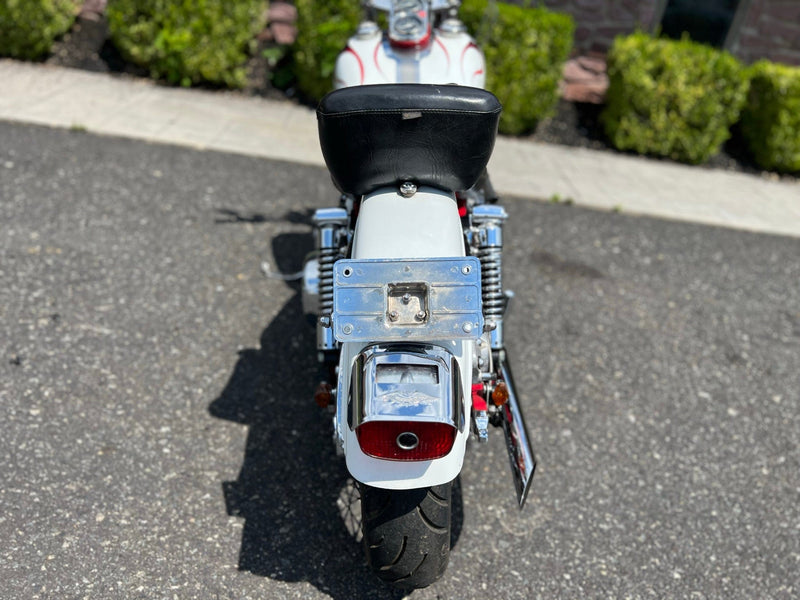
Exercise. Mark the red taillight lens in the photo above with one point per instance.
(405, 440)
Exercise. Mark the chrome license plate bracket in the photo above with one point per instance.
(407, 299)
(407, 303)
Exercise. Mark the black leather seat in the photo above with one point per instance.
(382, 135)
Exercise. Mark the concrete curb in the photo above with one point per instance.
(229, 122)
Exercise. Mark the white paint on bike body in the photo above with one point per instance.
(389, 225)
(448, 58)
(426, 225)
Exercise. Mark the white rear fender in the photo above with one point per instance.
(390, 226)
(426, 225)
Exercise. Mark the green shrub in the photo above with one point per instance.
(323, 29)
(29, 27)
(525, 50)
(188, 41)
(669, 98)
(771, 117)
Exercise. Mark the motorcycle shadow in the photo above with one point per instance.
(300, 509)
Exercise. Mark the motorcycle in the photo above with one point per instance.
(406, 282)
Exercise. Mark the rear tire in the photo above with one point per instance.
(407, 533)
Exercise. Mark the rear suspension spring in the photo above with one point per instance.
(488, 246)
(491, 258)
(330, 224)
(327, 256)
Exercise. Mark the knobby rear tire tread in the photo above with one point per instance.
(407, 533)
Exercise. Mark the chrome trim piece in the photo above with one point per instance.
(444, 299)
(407, 440)
(342, 400)
(452, 27)
(407, 188)
(490, 214)
(435, 399)
(435, 4)
(310, 292)
(367, 30)
(520, 452)
(481, 420)
(329, 216)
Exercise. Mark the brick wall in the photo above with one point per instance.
(767, 28)
(597, 22)
(770, 29)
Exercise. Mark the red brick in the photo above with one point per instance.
(609, 32)
(586, 15)
(786, 11)
(282, 12)
(622, 14)
(756, 10)
(750, 37)
(597, 5)
(284, 33)
(585, 92)
(788, 31)
(647, 16)
(596, 65)
(600, 45)
(633, 5)
(785, 56)
(92, 10)
(582, 34)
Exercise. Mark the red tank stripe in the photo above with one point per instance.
(360, 63)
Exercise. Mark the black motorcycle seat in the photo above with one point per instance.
(374, 136)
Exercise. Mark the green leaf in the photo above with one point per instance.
(188, 42)
(676, 99)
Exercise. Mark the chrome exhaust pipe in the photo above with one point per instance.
(520, 452)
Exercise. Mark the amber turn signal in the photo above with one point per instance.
(500, 393)
(323, 395)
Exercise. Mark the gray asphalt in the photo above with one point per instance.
(158, 438)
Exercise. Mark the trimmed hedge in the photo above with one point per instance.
(676, 99)
(188, 41)
(29, 27)
(771, 117)
(323, 29)
(525, 51)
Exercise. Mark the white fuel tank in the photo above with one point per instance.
(451, 56)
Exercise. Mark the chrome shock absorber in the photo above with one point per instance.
(330, 224)
(488, 247)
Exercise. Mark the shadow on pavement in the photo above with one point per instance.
(291, 478)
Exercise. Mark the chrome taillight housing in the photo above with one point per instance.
(410, 24)
(406, 402)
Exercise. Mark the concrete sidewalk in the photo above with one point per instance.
(229, 122)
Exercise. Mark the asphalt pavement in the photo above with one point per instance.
(158, 437)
